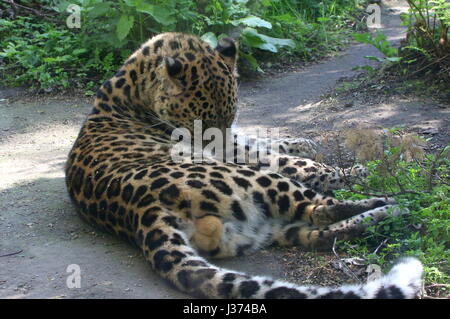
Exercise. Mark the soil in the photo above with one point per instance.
(40, 233)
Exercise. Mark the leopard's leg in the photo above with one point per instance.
(296, 164)
(298, 147)
(213, 234)
(273, 199)
(167, 236)
(329, 211)
(322, 237)
(318, 176)
(218, 237)
(165, 245)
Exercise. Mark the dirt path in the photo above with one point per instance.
(297, 92)
(41, 230)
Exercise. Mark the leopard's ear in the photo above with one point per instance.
(174, 76)
(228, 49)
(174, 67)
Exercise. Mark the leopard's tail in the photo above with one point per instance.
(167, 249)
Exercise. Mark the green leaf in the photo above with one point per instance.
(133, 3)
(99, 9)
(380, 37)
(286, 18)
(277, 42)
(251, 59)
(252, 38)
(61, 6)
(253, 21)
(161, 14)
(79, 51)
(210, 38)
(323, 19)
(146, 8)
(124, 26)
(362, 37)
(374, 58)
(394, 59)
(405, 18)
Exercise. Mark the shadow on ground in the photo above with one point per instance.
(41, 230)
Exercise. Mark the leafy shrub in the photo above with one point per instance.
(426, 48)
(111, 30)
(128, 23)
(40, 53)
(419, 182)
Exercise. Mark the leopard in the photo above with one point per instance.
(182, 214)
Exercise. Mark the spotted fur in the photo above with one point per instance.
(121, 177)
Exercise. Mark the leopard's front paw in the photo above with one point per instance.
(360, 171)
(376, 202)
(321, 216)
(356, 173)
(299, 147)
(400, 211)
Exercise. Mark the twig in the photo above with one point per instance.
(16, 5)
(311, 273)
(429, 297)
(438, 262)
(428, 65)
(437, 285)
(11, 254)
(379, 246)
(433, 286)
(346, 269)
(385, 194)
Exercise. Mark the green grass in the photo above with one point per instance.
(421, 186)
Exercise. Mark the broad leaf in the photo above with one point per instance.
(79, 51)
(394, 59)
(251, 59)
(254, 39)
(124, 26)
(362, 37)
(159, 13)
(253, 21)
(210, 38)
(99, 9)
(287, 18)
(374, 58)
(251, 37)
